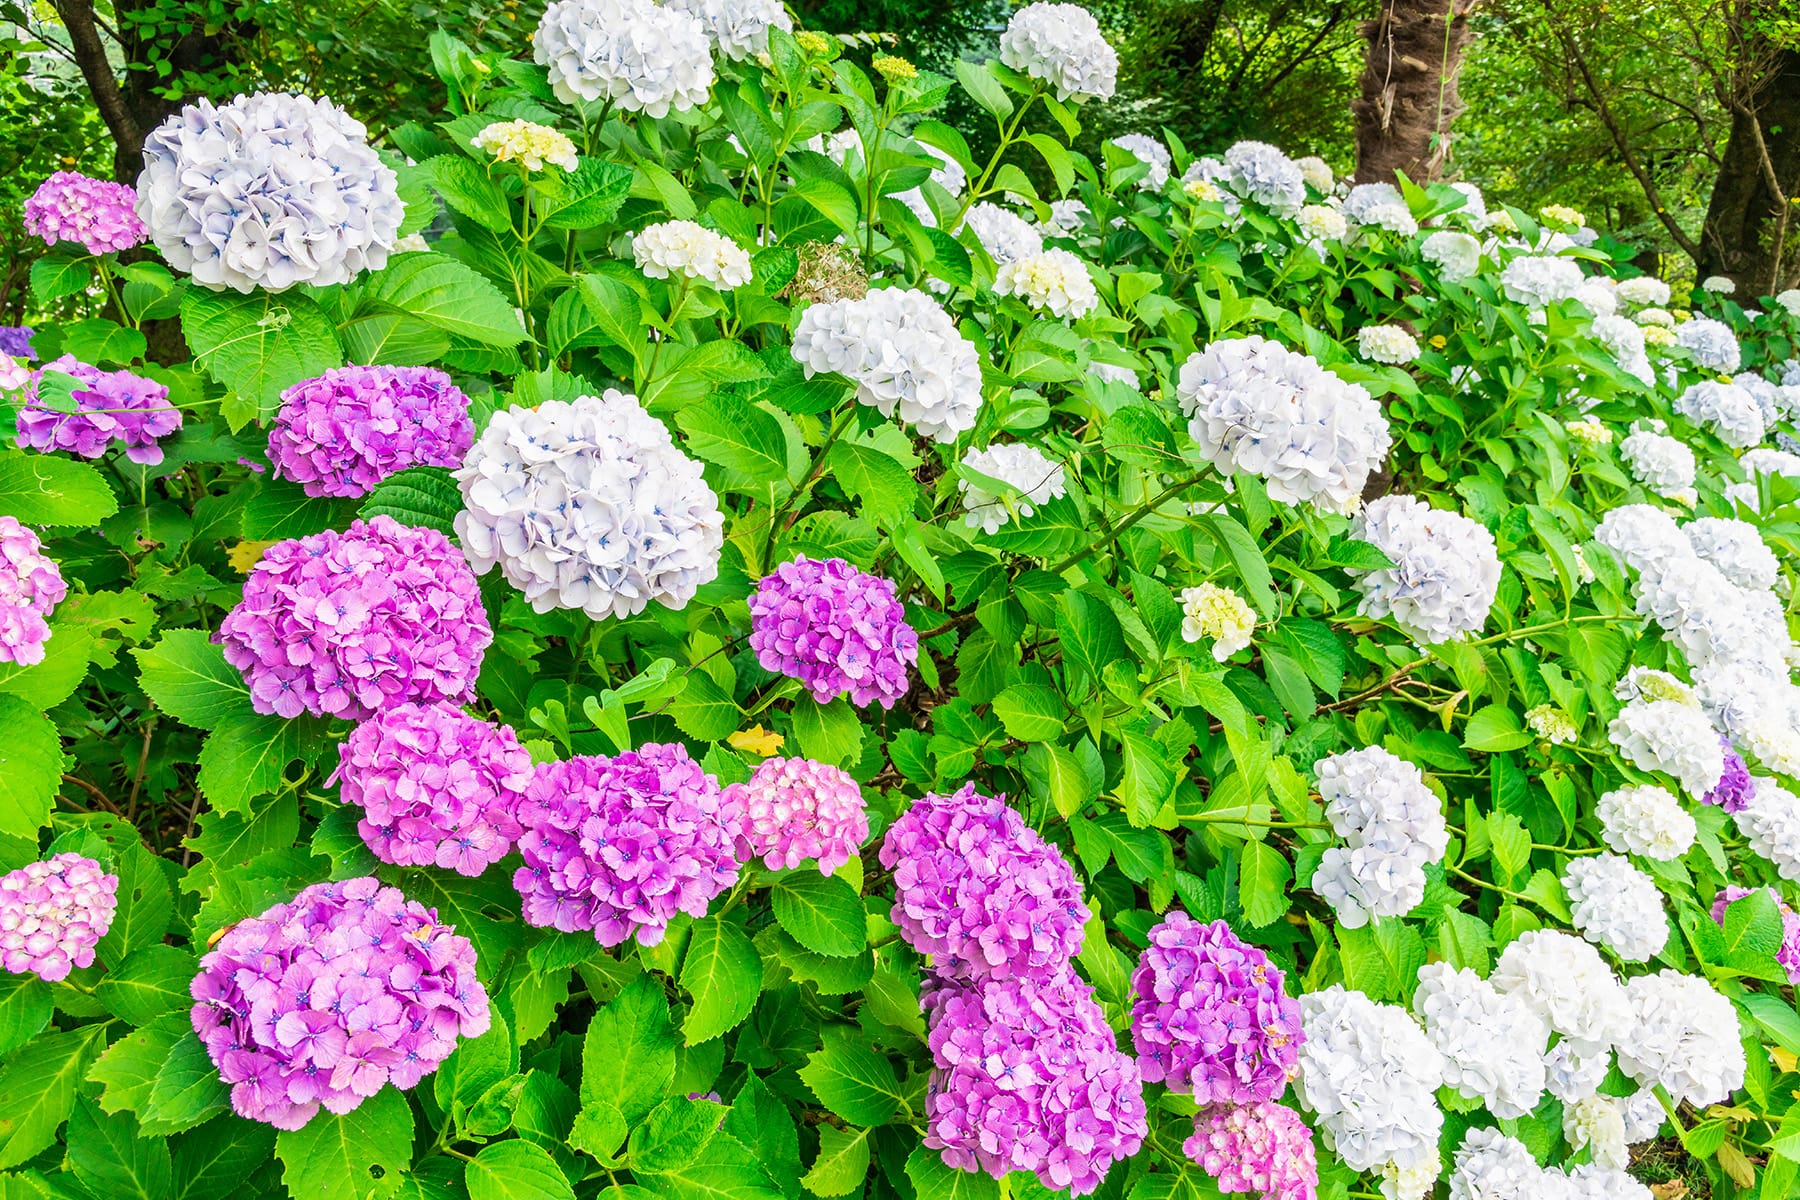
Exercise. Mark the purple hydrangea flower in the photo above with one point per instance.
(834, 628)
(620, 845)
(53, 914)
(1210, 1015)
(350, 623)
(1788, 955)
(352, 427)
(71, 207)
(112, 406)
(793, 809)
(437, 786)
(1262, 1147)
(1735, 787)
(15, 342)
(1029, 1078)
(30, 586)
(979, 890)
(324, 999)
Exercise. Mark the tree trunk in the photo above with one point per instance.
(1408, 91)
(1749, 231)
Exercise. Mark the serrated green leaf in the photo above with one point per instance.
(107, 1154)
(933, 1179)
(151, 981)
(42, 489)
(447, 294)
(628, 1056)
(424, 497)
(348, 1157)
(259, 344)
(38, 1089)
(723, 973)
(841, 1164)
(1263, 876)
(31, 763)
(822, 913)
(516, 1170)
(246, 756)
(852, 1079)
(188, 678)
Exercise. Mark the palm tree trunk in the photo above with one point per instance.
(1408, 92)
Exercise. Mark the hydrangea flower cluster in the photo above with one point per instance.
(620, 845)
(1370, 1075)
(1643, 291)
(1736, 548)
(110, 406)
(53, 914)
(793, 809)
(1537, 281)
(1770, 823)
(1386, 344)
(979, 890)
(639, 55)
(1642, 537)
(693, 252)
(15, 342)
(1616, 905)
(1261, 172)
(1211, 611)
(347, 624)
(1151, 152)
(1727, 409)
(1392, 825)
(1647, 820)
(1456, 254)
(1661, 463)
(1054, 281)
(71, 207)
(1062, 45)
(324, 999)
(528, 144)
(1446, 569)
(738, 28)
(1565, 981)
(904, 354)
(1255, 406)
(437, 787)
(1380, 206)
(1006, 236)
(1210, 1015)
(1735, 787)
(1492, 1042)
(1026, 468)
(1684, 1036)
(1322, 223)
(834, 628)
(30, 587)
(1671, 737)
(345, 431)
(1788, 953)
(1263, 1148)
(1711, 343)
(589, 504)
(268, 191)
(1624, 340)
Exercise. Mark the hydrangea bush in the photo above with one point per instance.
(681, 634)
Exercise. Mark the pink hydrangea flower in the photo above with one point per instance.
(834, 628)
(437, 787)
(72, 207)
(323, 1000)
(53, 914)
(352, 427)
(110, 406)
(30, 586)
(1263, 1147)
(794, 809)
(347, 624)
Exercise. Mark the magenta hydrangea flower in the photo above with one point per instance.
(324, 999)
(1262, 1147)
(620, 845)
(72, 207)
(437, 787)
(1788, 955)
(352, 427)
(1210, 1015)
(350, 623)
(111, 406)
(53, 914)
(15, 342)
(30, 586)
(1735, 787)
(1029, 1078)
(979, 890)
(834, 628)
(793, 809)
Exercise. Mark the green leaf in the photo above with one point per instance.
(212, 1162)
(1030, 712)
(723, 973)
(675, 1133)
(247, 756)
(276, 510)
(842, 1162)
(127, 1070)
(25, 1009)
(38, 1089)
(737, 435)
(187, 1089)
(46, 684)
(106, 1154)
(979, 81)
(473, 1067)
(426, 497)
(516, 1170)
(188, 678)
(703, 710)
(257, 345)
(1510, 842)
(823, 913)
(628, 1057)
(590, 196)
(1247, 557)
(150, 982)
(448, 294)
(615, 308)
(43, 489)
(467, 188)
(887, 489)
(828, 733)
(31, 763)
(934, 1180)
(1091, 637)
(599, 1130)
(1495, 728)
(1262, 883)
(349, 1157)
(57, 274)
(724, 1170)
(852, 1079)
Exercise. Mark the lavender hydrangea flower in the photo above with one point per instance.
(72, 207)
(1029, 1078)
(350, 623)
(15, 342)
(793, 809)
(1735, 787)
(1788, 954)
(437, 787)
(109, 406)
(1264, 1148)
(345, 431)
(834, 628)
(1210, 1015)
(53, 914)
(322, 1000)
(30, 586)
(980, 890)
(620, 845)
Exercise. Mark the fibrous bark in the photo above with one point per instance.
(1749, 221)
(1408, 96)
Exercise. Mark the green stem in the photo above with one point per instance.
(1007, 134)
(1513, 635)
(1131, 518)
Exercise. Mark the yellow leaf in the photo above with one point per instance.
(245, 555)
(1783, 1059)
(756, 740)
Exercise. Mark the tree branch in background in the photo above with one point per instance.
(90, 56)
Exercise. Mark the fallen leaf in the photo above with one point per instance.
(245, 555)
(756, 740)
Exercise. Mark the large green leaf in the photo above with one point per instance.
(723, 973)
(188, 678)
(842, 1162)
(43, 489)
(425, 497)
(451, 295)
(150, 982)
(349, 1157)
(933, 1179)
(585, 197)
(853, 1079)
(257, 345)
(25, 1009)
(247, 754)
(516, 1170)
(107, 1153)
(38, 1089)
(212, 1162)
(823, 913)
(628, 1057)
(724, 1170)
(31, 763)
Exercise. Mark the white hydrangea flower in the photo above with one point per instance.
(1147, 149)
(1492, 1041)
(1552, 724)
(1369, 1073)
(1770, 823)
(1256, 406)
(1624, 340)
(1616, 905)
(1386, 344)
(1591, 1181)
(1642, 536)
(1643, 1116)
(1411, 1182)
(1006, 236)
(1067, 219)
(903, 352)
(1320, 178)
(1647, 683)
(1053, 281)
(1539, 281)
(1322, 223)
(1211, 611)
(589, 505)
(1712, 344)
(1714, 621)
(1062, 45)
(1660, 318)
(1645, 819)
(1210, 179)
(1645, 290)
(1392, 825)
(1445, 574)
(1670, 737)
(1661, 463)
(1572, 1072)
(1725, 408)
(1262, 173)
(642, 56)
(1768, 398)
(528, 143)
(1759, 711)
(1590, 431)
(268, 191)
(1380, 205)
(1024, 467)
(692, 251)
(1475, 207)
(739, 28)
(1596, 1124)
(1457, 255)
(1736, 548)
(1111, 373)
(1789, 301)
(1764, 461)
(1684, 1036)
(1718, 285)
(1490, 1165)
(1597, 296)
(1567, 982)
